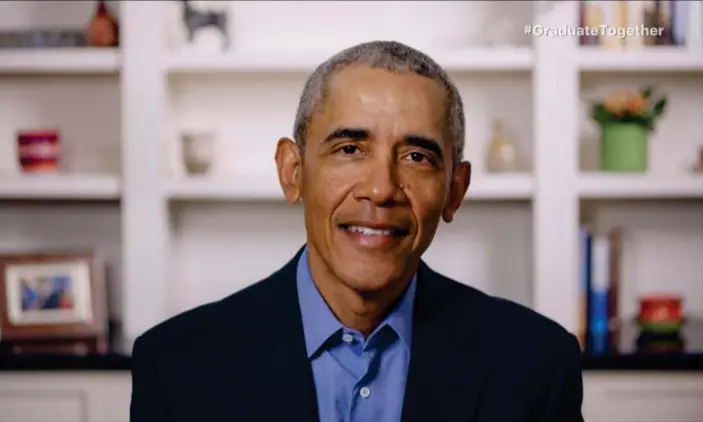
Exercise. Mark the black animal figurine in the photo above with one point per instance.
(195, 20)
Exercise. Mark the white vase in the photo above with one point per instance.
(198, 151)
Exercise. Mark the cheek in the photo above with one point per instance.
(427, 197)
(325, 188)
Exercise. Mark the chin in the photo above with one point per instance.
(369, 275)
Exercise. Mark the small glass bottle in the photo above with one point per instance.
(502, 156)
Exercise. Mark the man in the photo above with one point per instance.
(356, 328)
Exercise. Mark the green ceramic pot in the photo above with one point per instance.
(624, 147)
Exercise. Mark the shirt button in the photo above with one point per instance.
(365, 392)
(347, 338)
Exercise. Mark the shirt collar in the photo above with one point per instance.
(319, 323)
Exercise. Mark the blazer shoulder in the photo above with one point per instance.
(518, 318)
(504, 316)
(209, 319)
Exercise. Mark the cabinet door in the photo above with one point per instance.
(643, 398)
(30, 406)
(64, 397)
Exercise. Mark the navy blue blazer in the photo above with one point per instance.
(473, 358)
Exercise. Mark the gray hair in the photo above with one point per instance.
(388, 55)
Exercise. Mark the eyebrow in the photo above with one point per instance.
(358, 134)
(355, 134)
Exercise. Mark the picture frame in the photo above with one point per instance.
(53, 302)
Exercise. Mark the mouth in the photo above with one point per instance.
(374, 235)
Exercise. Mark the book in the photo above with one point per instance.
(636, 21)
(599, 278)
(694, 25)
(679, 22)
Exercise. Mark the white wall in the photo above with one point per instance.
(221, 248)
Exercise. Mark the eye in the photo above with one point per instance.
(418, 157)
(349, 149)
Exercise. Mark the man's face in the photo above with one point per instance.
(376, 176)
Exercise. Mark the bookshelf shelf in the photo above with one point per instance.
(647, 59)
(120, 362)
(60, 61)
(225, 188)
(682, 362)
(466, 60)
(60, 187)
(648, 186)
(266, 187)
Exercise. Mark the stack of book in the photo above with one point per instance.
(600, 279)
(632, 24)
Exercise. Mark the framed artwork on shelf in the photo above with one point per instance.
(52, 302)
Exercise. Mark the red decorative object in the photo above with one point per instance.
(103, 30)
(38, 151)
(660, 309)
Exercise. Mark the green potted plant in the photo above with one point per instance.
(626, 120)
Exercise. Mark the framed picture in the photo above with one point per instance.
(47, 297)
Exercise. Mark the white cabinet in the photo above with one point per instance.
(104, 397)
(64, 397)
(643, 397)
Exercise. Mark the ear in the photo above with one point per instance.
(288, 163)
(457, 190)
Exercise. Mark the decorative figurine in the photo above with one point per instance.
(699, 166)
(103, 30)
(196, 20)
(502, 156)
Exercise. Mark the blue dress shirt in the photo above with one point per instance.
(356, 379)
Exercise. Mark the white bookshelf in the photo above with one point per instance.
(175, 241)
(182, 238)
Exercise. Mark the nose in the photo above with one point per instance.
(379, 183)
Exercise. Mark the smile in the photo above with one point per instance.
(377, 237)
(369, 231)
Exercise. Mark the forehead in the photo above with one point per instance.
(383, 99)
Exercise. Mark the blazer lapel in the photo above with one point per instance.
(285, 364)
(446, 374)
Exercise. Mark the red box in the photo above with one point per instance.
(38, 151)
(660, 309)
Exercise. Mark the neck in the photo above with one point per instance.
(362, 311)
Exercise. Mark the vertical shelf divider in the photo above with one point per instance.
(144, 211)
(555, 206)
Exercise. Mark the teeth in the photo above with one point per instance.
(369, 232)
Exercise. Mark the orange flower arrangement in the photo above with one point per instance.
(624, 107)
